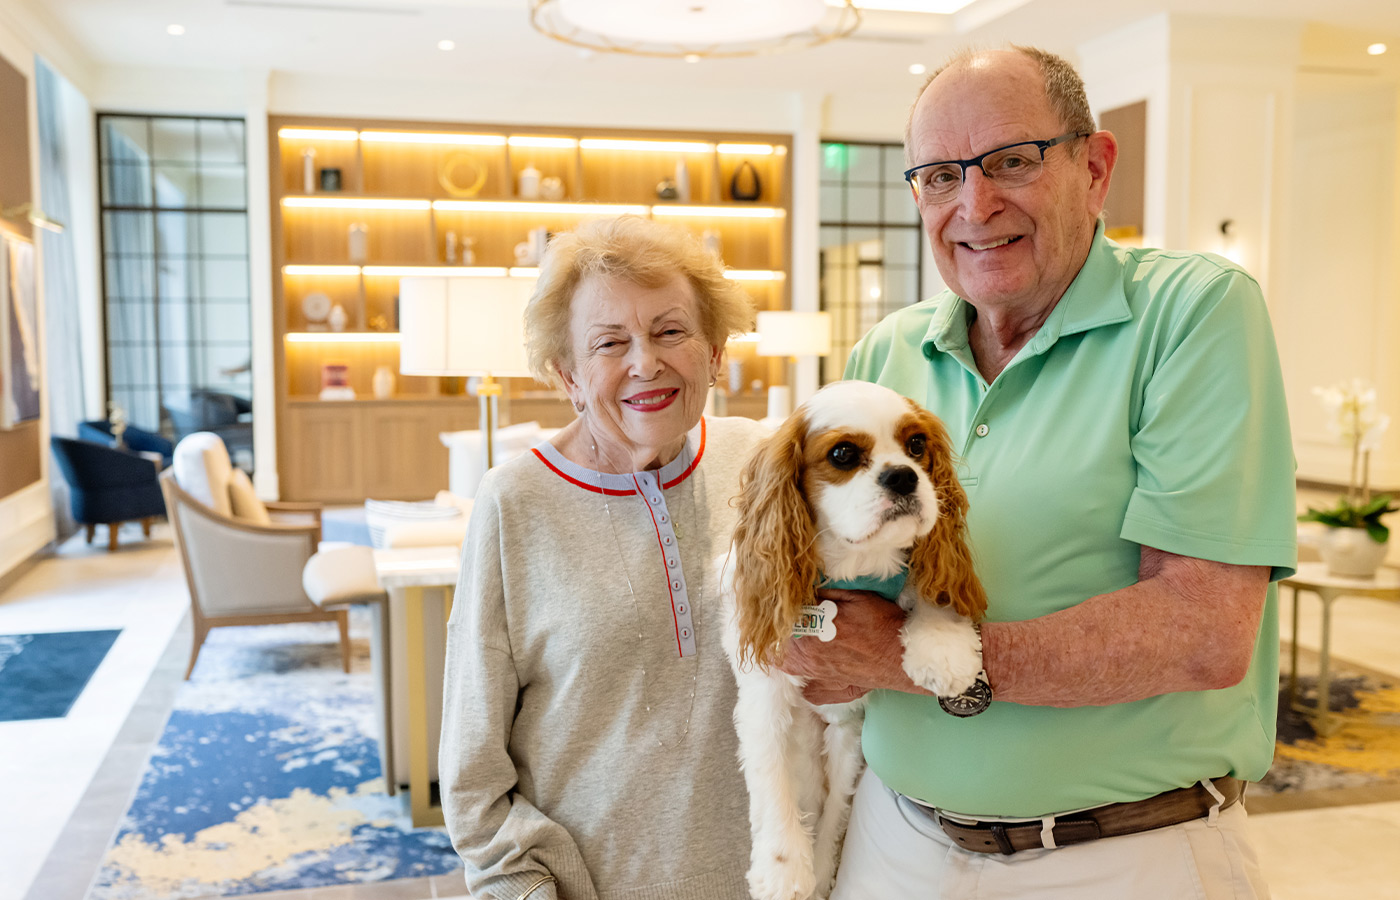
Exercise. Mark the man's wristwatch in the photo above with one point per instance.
(971, 701)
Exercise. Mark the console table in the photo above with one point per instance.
(1314, 578)
(415, 571)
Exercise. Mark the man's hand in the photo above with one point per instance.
(865, 654)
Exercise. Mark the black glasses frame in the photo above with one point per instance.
(965, 164)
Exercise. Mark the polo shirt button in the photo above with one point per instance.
(667, 540)
(661, 518)
(676, 585)
(671, 563)
(655, 499)
(685, 632)
(681, 609)
(982, 430)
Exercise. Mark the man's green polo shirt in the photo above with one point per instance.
(1148, 410)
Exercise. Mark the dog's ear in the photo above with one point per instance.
(775, 565)
(940, 563)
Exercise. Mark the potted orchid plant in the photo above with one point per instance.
(1356, 540)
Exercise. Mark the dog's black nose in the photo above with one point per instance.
(901, 480)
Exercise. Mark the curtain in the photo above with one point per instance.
(63, 359)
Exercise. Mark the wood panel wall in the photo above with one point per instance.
(21, 448)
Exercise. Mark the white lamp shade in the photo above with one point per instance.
(463, 326)
(786, 333)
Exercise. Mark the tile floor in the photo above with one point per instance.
(67, 781)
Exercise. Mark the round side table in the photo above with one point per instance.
(1314, 578)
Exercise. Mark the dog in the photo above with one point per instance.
(858, 482)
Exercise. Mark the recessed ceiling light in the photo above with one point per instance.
(692, 57)
(447, 45)
(918, 69)
(1376, 49)
(176, 30)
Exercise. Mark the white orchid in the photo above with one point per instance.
(1354, 419)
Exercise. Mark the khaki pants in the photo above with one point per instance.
(894, 851)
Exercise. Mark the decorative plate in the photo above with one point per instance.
(316, 306)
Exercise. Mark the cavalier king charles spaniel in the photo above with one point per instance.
(857, 484)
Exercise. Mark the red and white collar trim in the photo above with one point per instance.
(670, 475)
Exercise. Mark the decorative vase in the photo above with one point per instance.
(745, 185)
(383, 382)
(1351, 552)
(338, 318)
(529, 185)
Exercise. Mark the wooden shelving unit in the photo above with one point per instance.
(411, 185)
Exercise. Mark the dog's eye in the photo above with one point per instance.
(844, 455)
(916, 445)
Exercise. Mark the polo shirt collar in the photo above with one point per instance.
(1095, 298)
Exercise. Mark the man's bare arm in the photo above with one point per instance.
(1186, 625)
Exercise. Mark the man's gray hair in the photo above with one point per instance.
(1063, 88)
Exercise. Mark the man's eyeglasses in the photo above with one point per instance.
(1011, 166)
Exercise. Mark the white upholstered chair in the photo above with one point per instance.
(242, 567)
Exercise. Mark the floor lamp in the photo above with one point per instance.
(461, 325)
(791, 334)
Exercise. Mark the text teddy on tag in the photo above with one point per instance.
(817, 621)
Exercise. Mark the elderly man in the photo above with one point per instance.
(1125, 447)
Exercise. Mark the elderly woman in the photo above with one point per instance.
(588, 749)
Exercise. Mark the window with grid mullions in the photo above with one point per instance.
(871, 242)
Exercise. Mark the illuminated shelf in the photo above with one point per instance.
(527, 140)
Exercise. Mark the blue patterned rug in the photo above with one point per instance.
(41, 675)
(267, 778)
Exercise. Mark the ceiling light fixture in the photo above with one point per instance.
(1376, 49)
(918, 69)
(176, 30)
(694, 29)
(447, 45)
(938, 7)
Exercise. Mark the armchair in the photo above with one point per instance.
(242, 567)
(108, 486)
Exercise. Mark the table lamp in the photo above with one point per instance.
(460, 325)
(791, 334)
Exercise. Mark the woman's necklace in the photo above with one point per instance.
(636, 608)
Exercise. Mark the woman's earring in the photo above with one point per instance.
(578, 406)
(712, 381)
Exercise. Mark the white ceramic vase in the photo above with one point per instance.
(383, 382)
(1351, 553)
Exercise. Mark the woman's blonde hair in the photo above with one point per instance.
(635, 249)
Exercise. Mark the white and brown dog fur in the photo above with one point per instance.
(858, 482)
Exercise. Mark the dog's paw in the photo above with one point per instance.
(778, 876)
(942, 651)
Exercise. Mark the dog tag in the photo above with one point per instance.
(817, 621)
(970, 702)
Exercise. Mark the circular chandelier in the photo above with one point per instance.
(694, 29)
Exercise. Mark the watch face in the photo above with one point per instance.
(316, 306)
(970, 702)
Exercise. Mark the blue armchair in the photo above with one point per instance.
(135, 439)
(109, 486)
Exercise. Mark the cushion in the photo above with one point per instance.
(244, 499)
(394, 523)
(202, 470)
(335, 577)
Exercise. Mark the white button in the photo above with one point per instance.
(681, 609)
(667, 540)
(671, 563)
(662, 519)
(982, 430)
(676, 585)
(655, 499)
(685, 632)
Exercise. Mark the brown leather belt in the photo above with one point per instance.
(1113, 820)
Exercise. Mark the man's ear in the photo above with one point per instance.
(1101, 154)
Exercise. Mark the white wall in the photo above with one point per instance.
(1341, 315)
